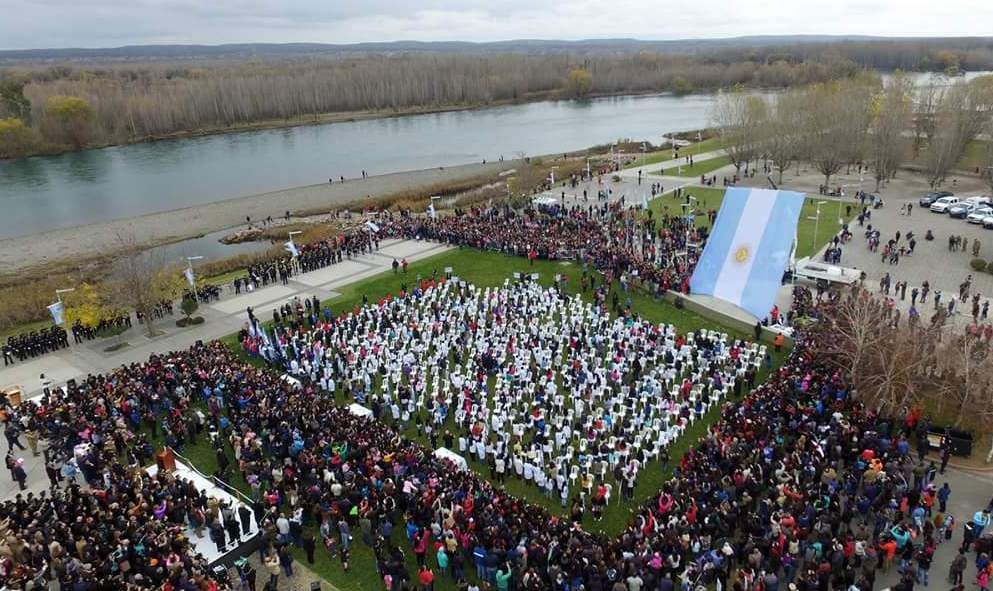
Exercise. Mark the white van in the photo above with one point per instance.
(942, 205)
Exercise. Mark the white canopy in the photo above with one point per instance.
(443, 453)
(359, 410)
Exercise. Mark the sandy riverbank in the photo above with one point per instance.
(100, 239)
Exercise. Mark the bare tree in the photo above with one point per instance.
(739, 119)
(141, 281)
(966, 371)
(987, 171)
(826, 132)
(963, 114)
(886, 142)
(858, 324)
(925, 115)
(886, 363)
(783, 139)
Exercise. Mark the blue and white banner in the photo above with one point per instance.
(372, 227)
(57, 310)
(292, 248)
(749, 248)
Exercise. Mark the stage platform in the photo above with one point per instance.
(203, 544)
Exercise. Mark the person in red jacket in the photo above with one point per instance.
(426, 578)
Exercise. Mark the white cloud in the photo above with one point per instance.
(99, 23)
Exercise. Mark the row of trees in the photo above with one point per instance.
(948, 55)
(858, 120)
(71, 108)
(927, 363)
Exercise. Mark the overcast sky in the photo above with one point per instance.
(106, 23)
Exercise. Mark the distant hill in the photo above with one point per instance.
(530, 46)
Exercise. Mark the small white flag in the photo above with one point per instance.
(372, 226)
(292, 248)
(189, 277)
(644, 200)
(431, 211)
(56, 310)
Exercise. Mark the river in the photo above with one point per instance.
(46, 192)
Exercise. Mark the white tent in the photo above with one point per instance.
(443, 453)
(359, 410)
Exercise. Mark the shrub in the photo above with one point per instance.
(182, 322)
(978, 264)
(196, 320)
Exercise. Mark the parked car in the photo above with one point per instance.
(978, 215)
(942, 205)
(933, 196)
(988, 222)
(962, 209)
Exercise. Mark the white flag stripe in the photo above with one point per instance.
(734, 274)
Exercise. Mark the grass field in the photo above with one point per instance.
(698, 168)
(708, 145)
(486, 268)
(974, 156)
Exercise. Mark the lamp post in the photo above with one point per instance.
(59, 292)
(817, 221)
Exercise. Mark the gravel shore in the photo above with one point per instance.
(100, 239)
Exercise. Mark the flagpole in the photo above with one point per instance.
(59, 292)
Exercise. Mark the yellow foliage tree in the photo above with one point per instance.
(580, 82)
(16, 138)
(89, 304)
(68, 120)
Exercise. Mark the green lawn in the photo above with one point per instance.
(974, 156)
(708, 145)
(698, 168)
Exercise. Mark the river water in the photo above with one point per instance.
(46, 192)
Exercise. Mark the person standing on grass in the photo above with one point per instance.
(309, 545)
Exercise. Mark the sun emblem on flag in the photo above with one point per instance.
(741, 255)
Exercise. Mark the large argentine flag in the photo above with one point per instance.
(749, 248)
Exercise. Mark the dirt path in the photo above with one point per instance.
(100, 239)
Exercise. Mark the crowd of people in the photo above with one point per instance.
(32, 344)
(796, 485)
(657, 252)
(541, 385)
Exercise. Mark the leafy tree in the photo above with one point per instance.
(13, 103)
(579, 82)
(681, 86)
(189, 306)
(16, 138)
(89, 304)
(68, 120)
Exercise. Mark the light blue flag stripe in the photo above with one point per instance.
(774, 255)
(704, 278)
